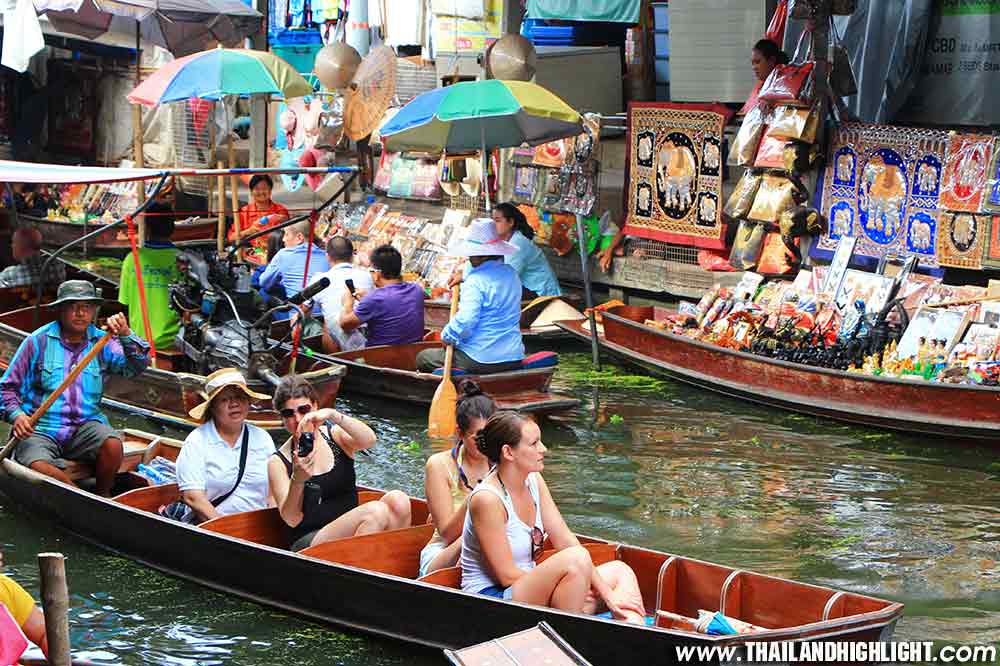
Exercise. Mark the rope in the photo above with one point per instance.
(142, 289)
(297, 336)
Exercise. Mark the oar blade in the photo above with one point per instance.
(441, 419)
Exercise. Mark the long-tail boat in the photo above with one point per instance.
(56, 233)
(538, 317)
(931, 408)
(13, 298)
(164, 395)
(391, 372)
(370, 583)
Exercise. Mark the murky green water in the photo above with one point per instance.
(646, 462)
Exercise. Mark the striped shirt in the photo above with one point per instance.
(42, 362)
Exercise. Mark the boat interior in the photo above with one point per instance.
(674, 588)
(404, 357)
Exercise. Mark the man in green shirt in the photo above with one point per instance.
(159, 268)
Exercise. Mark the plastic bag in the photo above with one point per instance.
(741, 200)
(789, 122)
(776, 29)
(774, 196)
(714, 260)
(748, 138)
(748, 245)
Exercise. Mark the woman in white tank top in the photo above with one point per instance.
(509, 515)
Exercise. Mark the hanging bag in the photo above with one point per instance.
(747, 246)
(182, 513)
(842, 80)
(792, 83)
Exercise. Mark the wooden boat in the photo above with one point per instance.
(164, 395)
(537, 317)
(13, 298)
(369, 583)
(57, 233)
(952, 410)
(390, 372)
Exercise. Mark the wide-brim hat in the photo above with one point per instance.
(76, 290)
(482, 241)
(215, 383)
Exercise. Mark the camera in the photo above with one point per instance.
(306, 442)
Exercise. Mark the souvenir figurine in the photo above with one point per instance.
(923, 353)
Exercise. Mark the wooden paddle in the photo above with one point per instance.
(70, 378)
(441, 419)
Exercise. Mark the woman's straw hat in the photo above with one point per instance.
(482, 241)
(214, 384)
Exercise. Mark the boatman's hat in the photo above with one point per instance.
(76, 290)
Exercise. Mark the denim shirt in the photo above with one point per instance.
(284, 273)
(532, 267)
(487, 325)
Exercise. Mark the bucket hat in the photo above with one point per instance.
(482, 241)
(76, 290)
(215, 383)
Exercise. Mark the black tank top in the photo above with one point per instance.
(339, 490)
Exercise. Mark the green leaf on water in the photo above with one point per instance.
(616, 419)
(412, 446)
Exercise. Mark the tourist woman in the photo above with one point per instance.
(450, 476)
(261, 213)
(532, 267)
(509, 515)
(317, 493)
(222, 467)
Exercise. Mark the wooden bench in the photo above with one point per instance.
(447, 577)
(150, 498)
(396, 552)
(263, 526)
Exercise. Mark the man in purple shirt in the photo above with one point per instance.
(394, 311)
(73, 428)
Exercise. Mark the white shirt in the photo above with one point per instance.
(330, 300)
(208, 463)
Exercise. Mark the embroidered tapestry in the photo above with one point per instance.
(675, 172)
(966, 172)
(991, 200)
(961, 237)
(882, 187)
(991, 247)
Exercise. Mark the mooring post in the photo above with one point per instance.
(55, 604)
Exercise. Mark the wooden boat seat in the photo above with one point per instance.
(419, 512)
(600, 553)
(264, 527)
(686, 586)
(167, 359)
(396, 552)
(447, 577)
(136, 451)
(150, 498)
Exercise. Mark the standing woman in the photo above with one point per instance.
(317, 494)
(450, 476)
(510, 513)
(530, 263)
(261, 213)
(764, 57)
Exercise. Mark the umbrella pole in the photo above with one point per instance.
(222, 207)
(137, 147)
(588, 295)
(235, 195)
(485, 160)
(220, 240)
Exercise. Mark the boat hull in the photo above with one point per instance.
(387, 372)
(957, 411)
(437, 314)
(346, 596)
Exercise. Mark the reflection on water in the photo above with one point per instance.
(656, 464)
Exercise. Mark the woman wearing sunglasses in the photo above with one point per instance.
(450, 476)
(316, 493)
(510, 513)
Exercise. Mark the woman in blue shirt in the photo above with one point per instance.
(530, 263)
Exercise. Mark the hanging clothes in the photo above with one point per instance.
(405, 22)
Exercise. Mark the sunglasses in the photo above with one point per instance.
(537, 542)
(288, 412)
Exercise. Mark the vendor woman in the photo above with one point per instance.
(537, 278)
(764, 57)
(260, 214)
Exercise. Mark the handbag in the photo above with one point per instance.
(748, 245)
(789, 122)
(791, 83)
(775, 195)
(182, 513)
(770, 153)
(741, 200)
(744, 147)
(842, 80)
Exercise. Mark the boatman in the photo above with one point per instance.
(26, 247)
(486, 330)
(74, 427)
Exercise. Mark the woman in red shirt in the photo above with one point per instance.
(260, 214)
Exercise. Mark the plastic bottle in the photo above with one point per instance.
(151, 474)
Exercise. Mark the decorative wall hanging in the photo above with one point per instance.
(961, 237)
(882, 187)
(675, 172)
(991, 248)
(991, 199)
(965, 176)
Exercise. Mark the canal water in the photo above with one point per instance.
(642, 461)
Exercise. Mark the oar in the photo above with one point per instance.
(441, 419)
(70, 378)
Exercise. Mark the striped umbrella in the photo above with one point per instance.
(480, 115)
(215, 73)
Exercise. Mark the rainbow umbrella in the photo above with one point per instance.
(483, 115)
(218, 72)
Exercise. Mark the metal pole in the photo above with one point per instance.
(55, 603)
(588, 295)
(484, 159)
(137, 147)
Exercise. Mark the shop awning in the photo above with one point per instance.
(615, 11)
(30, 172)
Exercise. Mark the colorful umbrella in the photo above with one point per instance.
(218, 72)
(481, 115)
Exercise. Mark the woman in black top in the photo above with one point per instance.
(317, 494)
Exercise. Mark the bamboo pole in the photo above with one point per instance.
(55, 603)
(137, 147)
(222, 209)
(235, 195)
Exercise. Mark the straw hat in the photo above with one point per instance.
(214, 384)
(482, 241)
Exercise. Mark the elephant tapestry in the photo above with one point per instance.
(675, 172)
(882, 186)
(961, 239)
